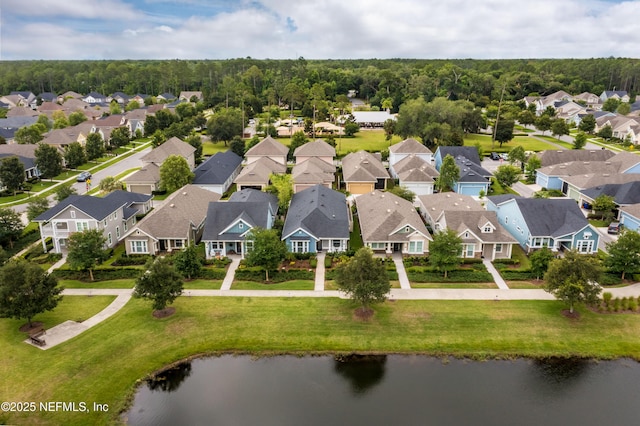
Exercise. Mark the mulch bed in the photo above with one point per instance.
(297, 264)
(25, 328)
(363, 314)
(574, 316)
(164, 313)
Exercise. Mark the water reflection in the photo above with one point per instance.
(169, 380)
(561, 370)
(361, 371)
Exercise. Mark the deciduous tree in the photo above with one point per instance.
(444, 251)
(559, 127)
(225, 124)
(175, 173)
(120, 136)
(449, 173)
(237, 146)
(533, 164)
(94, 146)
(74, 155)
(27, 290)
(540, 260)
(403, 192)
(36, 207)
(283, 186)
(507, 175)
(63, 191)
(363, 278)
(587, 124)
(48, 160)
(504, 131)
(574, 279)
(161, 283)
(579, 141)
(188, 262)
(10, 226)
(267, 251)
(11, 173)
(623, 255)
(86, 249)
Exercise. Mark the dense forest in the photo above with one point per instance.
(256, 83)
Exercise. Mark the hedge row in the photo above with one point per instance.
(212, 273)
(457, 276)
(258, 275)
(131, 259)
(105, 274)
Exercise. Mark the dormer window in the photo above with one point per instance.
(73, 214)
(241, 225)
(466, 234)
(487, 229)
(407, 229)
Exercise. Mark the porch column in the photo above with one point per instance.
(44, 244)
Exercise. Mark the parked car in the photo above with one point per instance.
(83, 177)
(494, 156)
(614, 228)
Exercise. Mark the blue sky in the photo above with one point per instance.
(317, 29)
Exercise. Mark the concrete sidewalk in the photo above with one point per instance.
(320, 271)
(502, 285)
(231, 273)
(402, 273)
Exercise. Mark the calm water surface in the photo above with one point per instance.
(390, 390)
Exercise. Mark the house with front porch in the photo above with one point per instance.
(390, 224)
(228, 222)
(538, 222)
(113, 214)
(173, 226)
(318, 219)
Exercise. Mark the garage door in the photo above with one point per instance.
(360, 188)
(140, 189)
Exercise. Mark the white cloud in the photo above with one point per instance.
(87, 9)
(342, 29)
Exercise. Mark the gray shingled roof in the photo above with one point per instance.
(317, 148)
(548, 217)
(259, 171)
(363, 166)
(409, 146)
(552, 156)
(474, 220)
(173, 146)
(27, 163)
(435, 204)
(469, 152)
(319, 211)
(217, 169)
(267, 146)
(150, 173)
(96, 207)
(249, 205)
(623, 194)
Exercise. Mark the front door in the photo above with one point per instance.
(397, 247)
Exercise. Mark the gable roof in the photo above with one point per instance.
(435, 204)
(552, 156)
(267, 146)
(313, 170)
(632, 210)
(474, 220)
(381, 214)
(182, 210)
(217, 168)
(259, 171)
(547, 216)
(317, 148)
(250, 206)
(319, 211)
(468, 152)
(412, 162)
(27, 162)
(150, 173)
(363, 166)
(22, 150)
(623, 194)
(173, 146)
(96, 207)
(409, 146)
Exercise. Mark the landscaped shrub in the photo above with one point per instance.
(427, 275)
(217, 263)
(328, 261)
(132, 259)
(99, 274)
(606, 297)
(515, 275)
(610, 279)
(212, 273)
(258, 275)
(313, 263)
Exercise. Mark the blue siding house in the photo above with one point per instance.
(473, 177)
(318, 220)
(537, 222)
(630, 217)
(228, 223)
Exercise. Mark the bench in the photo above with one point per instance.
(36, 338)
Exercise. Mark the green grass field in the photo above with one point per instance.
(287, 285)
(104, 363)
(454, 285)
(529, 143)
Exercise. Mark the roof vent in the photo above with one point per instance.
(172, 205)
(184, 192)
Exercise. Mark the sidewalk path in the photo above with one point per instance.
(319, 283)
(231, 273)
(70, 329)
(402, 273)
(495, 274)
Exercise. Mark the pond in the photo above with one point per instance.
(388, 390)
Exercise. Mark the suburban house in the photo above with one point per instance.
(623, 194)
(318, 149)
(363, 172)
(474, 179)
(538, 222)
(318, 219)
(188, 96)
(408, 147)
(166, 97)
(573, 177)
(552, 157)
(434, 205)
(256, 175)
(391, 224)
(94, 98)
(311, 172)
(415, 174)
(173, 226)
(147, 179)
(621, 95)
(61, 138)
(270, 148)
(622, 127)
(113, 214)
(218, 172)
(26, 153)
(590, 100)
(228, 222)
(630, 217)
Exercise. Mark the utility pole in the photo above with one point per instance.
(495, 125)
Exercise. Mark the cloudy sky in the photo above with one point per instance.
(318, 29)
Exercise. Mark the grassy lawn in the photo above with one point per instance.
(42, 185)
(453, 285)
(129, 283)
(210, 148)
(368, 140)
(202, 285)
(599, 223)
(355, 238)
(287, 285)
(527, 142)
(497, 189)
(518, 253)
(104, 363)
(67, 174)
(523, 285)
(556, 141)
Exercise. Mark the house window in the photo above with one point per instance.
(487, 229)
(407, 229)
(585, 246)
(82, 226)
(104, 222)
(241, 225)
(587, 235)
(470, 249)
(337, 243)
(138, 246)
(466, 234)
(109, 239)
(378, 246)
(498, 248)
(300, 246)
(118, 232)
(249, 246)
(506, 220)
(73, 214)
(134, 221)
(115, 215)
(125, 226)
(178, 243)
(415, 246)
